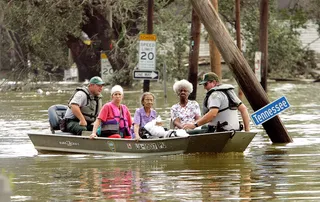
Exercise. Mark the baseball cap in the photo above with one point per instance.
(209, 77)
(96, 80)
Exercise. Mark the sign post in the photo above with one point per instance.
(106, 68)
(269, 111)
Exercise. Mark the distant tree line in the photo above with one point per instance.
(39, 39)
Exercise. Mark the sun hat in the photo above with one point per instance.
(96, 80)
(116, 88)
(209, 77)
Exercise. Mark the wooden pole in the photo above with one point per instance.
(215, 57)
(146, 83)
(263, 41)
(194, 53)
(252, 89)
(238, 34)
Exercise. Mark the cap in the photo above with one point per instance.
(116, 88)
(96, 80)
(209, 77)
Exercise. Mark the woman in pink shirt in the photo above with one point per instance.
(114, 117)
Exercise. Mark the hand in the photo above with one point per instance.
(83, 123)
(93, 135)
(188, 126)
(137, 138)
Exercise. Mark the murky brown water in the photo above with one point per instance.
(265, 171)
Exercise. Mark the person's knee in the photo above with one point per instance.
(75, 128)
(79, 130)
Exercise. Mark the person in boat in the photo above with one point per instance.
(220, 107)
(83, 107)
(185, 111)
(114, 118)
(143, 115)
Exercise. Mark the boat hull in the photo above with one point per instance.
(209, 142)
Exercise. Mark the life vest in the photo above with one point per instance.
(227, 90)
(94, 104)
(117, 125)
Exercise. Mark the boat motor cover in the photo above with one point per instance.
(56, 113)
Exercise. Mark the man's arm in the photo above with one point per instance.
(77, 112)
(205, 119)
(245, 117)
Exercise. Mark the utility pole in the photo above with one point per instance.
(238, 34)
(244, 75)
(215, 57)
(146, 83)
(194, 53)
(263, 41)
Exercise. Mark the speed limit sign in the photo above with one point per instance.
(147, 52)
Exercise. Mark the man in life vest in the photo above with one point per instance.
(84, 107)
(220, 107)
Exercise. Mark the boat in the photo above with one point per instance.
(44, 142)
(201, 143)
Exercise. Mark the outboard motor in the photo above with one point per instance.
(56, 113)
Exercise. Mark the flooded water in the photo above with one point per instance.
(265, 171)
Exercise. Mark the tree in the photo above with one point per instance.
(42, 32)
(285, 49)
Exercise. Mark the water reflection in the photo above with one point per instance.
(265, 171)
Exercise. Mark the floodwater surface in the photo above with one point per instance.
(265, 171)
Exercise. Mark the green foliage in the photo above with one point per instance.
(284, 47)
(39, 32)
(173, 33)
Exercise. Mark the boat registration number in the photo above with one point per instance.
(150, 146)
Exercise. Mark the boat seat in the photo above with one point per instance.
(56, 113)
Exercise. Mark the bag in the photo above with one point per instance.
(109, 128)
(143, 133)
(63, 125)
(220, 126)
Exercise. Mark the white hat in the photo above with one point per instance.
(116, 88)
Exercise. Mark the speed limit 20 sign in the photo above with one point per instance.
(147, 52)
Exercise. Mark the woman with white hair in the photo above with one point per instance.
(186, 111)
(114, 117)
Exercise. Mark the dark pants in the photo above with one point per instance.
(74, 127)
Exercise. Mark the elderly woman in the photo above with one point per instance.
(186, 111)
(144, 114)
(114, 117)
